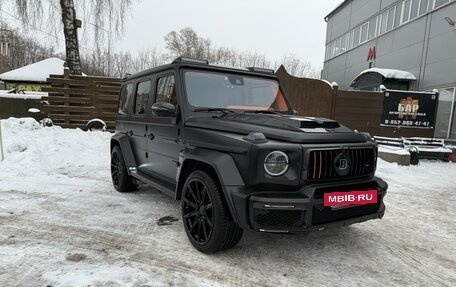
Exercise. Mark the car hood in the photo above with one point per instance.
(280, 127)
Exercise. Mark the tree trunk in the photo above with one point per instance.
(71, 36)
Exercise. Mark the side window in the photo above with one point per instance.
(125, 95)
(142, 95)
(166, 91)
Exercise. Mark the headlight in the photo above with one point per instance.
(276, 163)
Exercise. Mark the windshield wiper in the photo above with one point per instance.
(262, 112)
(224, 110)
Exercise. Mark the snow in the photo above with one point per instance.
(393, 150)
(63, 224)
(390, 73)
(36, 72)
(25, 96)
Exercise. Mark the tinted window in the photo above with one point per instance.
(166, 91)
(232, 91)
(125, 95)
(142, 94)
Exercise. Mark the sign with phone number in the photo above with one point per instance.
(409, 109)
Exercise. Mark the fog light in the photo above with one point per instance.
(276, 163)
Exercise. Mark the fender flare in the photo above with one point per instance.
(223, 165)
(123, 141)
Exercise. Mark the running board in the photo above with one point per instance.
(165, 188)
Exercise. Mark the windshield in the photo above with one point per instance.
(234, 92)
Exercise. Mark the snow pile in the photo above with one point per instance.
(32, 151)
(25, 96)
(36, 72)
(389, 74)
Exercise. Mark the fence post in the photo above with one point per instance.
(66, 94)
(335, 87)
(1, 144)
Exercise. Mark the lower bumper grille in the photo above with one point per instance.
(279, 218)
(327, 215)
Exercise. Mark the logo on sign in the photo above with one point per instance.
(408, 107)
(342, 164)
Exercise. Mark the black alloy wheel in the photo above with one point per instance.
(121, 180)
(206, 216)
(198, 211)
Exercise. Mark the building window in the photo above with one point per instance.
(406, 11)
(356, 36)
(439, 3)
(384, 18)
(414, 9)
(423, 7)
(390, 21)
(397, 15)
(372, 28)
(364, 31)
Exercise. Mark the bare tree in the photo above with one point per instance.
(297, 67)
(187, 43)
(22, 50)
(97, 13)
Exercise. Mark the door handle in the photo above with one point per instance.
(130, 133)
(151, 136)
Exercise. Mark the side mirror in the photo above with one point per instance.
(163, 109)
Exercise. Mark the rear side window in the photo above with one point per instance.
(142, 95)
(166, 91)
(125, 95)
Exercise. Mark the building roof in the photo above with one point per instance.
(36, 72)
(336, 9)
(389, 74)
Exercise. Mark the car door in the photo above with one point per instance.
(163, 131)
(137, 127)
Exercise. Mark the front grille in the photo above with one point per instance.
(321, 163)
(279, 218)
(327, 215)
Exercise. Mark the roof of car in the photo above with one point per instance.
(199, 65)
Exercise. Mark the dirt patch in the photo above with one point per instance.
(166, 220)
(76, 257)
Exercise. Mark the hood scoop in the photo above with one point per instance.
(315, 123)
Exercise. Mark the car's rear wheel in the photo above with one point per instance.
(121, 180)
(206, 216)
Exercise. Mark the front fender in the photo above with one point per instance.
(221, 163)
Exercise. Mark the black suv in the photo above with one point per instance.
(227, 143)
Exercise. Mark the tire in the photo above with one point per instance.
(121, 180)
(206, 216)
(96, 125)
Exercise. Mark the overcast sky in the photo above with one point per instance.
(269, 27)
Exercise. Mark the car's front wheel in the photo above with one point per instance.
(206, 216)
(121, 180)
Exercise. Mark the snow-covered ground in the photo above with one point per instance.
(63, 224)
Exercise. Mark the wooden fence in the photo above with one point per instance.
(358, 110)
(75, 100)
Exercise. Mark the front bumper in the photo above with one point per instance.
(302, 210)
